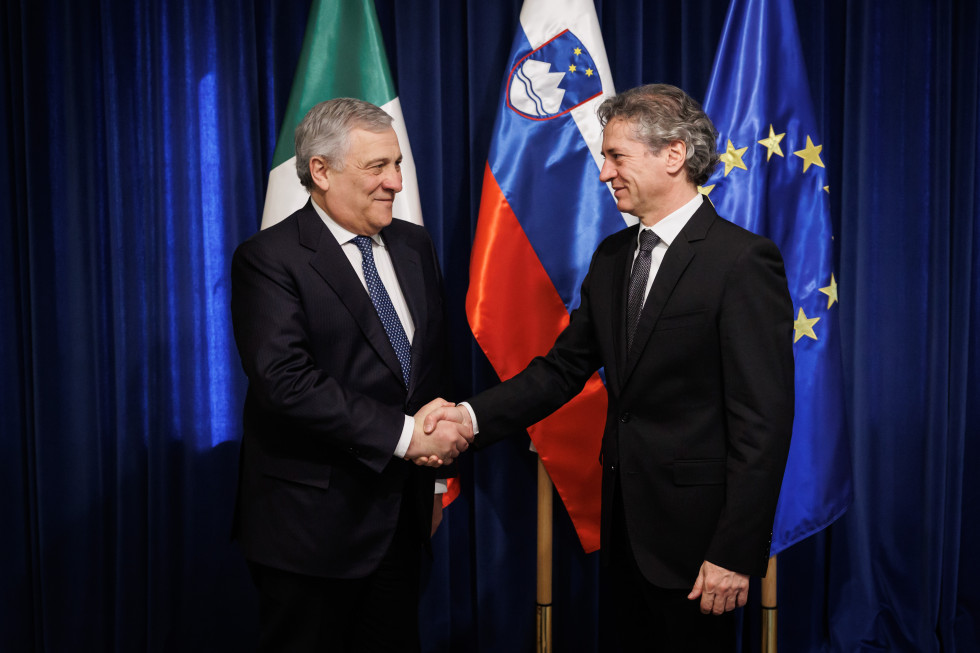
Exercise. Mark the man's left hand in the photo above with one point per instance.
(720, 590)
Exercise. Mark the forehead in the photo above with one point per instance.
(619, 134)
(368, 145)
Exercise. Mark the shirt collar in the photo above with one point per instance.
(668, 228)
(342, 235)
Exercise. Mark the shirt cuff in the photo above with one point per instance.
(406, 438)
(469, 409)
(442, 486)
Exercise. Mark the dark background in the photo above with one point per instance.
(135, 141)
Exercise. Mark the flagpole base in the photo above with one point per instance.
(767, 598)
(769, 630)
(544, 628)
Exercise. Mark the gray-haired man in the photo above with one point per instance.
(691, 318)
(338, 317)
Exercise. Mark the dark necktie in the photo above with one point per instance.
(384, 307)
(638, 283)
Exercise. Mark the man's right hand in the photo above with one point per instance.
(445, 441)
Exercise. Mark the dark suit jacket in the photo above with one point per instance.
(319, 491)
(700, 411)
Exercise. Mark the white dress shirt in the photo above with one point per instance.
(667, 230)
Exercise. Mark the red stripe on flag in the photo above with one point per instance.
(452, 491)
(516, 314)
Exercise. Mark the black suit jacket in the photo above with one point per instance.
(700, 411)
(319, 490)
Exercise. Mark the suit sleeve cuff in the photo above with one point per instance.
(406, 437)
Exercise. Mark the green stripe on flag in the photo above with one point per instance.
(343, 56)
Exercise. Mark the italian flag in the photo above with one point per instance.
(343, 56)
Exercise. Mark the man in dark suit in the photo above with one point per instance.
(691, 318)
(339, 320)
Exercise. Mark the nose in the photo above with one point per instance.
(393, 181)
(606, 172)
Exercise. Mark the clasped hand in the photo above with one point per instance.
(442, 432)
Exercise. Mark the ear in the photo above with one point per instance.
(676, 156)
(320, 172)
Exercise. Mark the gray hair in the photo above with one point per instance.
(325, 131)
(661, 114)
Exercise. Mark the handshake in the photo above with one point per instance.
(442, 431)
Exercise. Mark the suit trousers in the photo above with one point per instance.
(375, 614)
(651, 618)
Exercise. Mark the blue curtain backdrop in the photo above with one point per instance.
(136, 138)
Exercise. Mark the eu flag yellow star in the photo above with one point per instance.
(571, 68)
(830, 291)
(706, 190)
(772, 143)
(804, 326)
(810, 155)
(577, 51)
(732, 158)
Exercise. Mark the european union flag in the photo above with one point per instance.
(774, 183)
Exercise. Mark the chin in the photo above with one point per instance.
(382, 221)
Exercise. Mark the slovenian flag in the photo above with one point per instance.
(343, 55)
(773, 181)
(543, 212)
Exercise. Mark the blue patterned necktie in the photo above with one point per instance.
(638, 284)
(384, 307)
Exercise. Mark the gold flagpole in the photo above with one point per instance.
(545, 519)
(769, 611)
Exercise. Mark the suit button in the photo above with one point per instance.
(625, 417)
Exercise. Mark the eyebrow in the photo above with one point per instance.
(381, 160)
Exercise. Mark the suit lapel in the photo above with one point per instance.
(334, 267)
(678, 257)
(408, 269)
